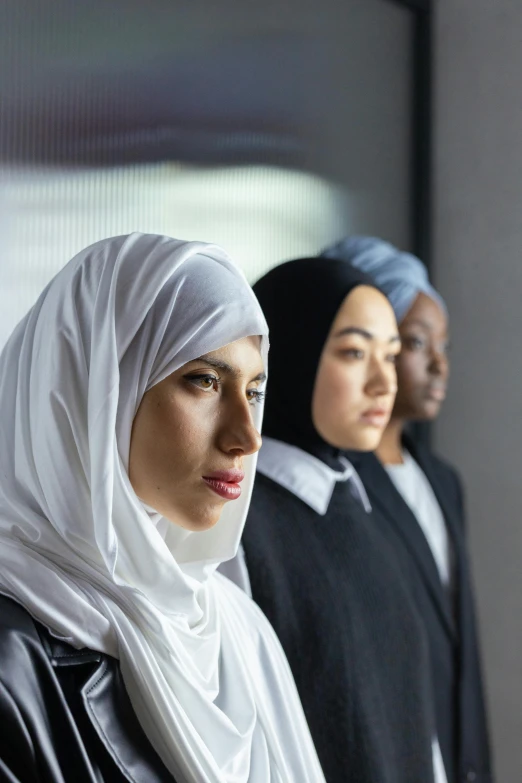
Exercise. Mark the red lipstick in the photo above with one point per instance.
(225, 483)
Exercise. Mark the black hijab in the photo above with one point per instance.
(300, 300)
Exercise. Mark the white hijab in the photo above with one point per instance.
(204, 671)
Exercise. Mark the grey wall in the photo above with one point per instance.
(478, 267)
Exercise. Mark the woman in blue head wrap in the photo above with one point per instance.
(419, 498)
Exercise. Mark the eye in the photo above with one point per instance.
(353, 353)
(415, 343)
(392, 358)
(204, 381)
(255, 396)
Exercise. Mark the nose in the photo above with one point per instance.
(382, 379)
(438, 364)
(238, 434)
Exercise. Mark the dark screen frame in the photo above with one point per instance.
(421, 134)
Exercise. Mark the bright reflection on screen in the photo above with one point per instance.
(260, 215)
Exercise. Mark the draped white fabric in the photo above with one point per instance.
(204, 671)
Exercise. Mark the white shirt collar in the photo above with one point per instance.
(307, 477)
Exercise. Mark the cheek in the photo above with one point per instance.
(411, 371)
(168, 440)
(338, 390)
(182, 433)
(412, 377)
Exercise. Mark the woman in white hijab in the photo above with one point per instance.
(130, 409)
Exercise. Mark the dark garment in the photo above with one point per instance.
(357, 649)
(65, 716)
(449, 619)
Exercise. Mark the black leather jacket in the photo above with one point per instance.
(65, 716)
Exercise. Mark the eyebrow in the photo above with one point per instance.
(419, 322)
(218, 364)
(363, 333)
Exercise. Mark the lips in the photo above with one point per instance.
(437, 393)
(375, 417)
(225, 483)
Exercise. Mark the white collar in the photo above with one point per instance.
(307, 477)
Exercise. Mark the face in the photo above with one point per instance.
(192, 432)
(356, 381)
(422, 367)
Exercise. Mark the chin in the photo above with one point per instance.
(197, 521)
(366, 440)
(426, 411)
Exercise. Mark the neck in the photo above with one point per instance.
(389, 449)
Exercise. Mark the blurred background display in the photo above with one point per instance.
(271, 129)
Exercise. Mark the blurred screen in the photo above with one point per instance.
(272, 131)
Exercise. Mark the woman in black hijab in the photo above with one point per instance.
(317, 564)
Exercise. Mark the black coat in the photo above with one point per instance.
(65, 716)
(452, 632)
(351, 633)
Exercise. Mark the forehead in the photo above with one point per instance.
(243, 356)
(366, 308)
(426, 312)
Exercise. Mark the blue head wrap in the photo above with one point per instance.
(401, 276)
